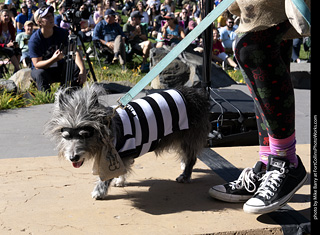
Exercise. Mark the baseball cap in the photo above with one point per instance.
(169, 16)
(109, 12)
(28, 22)
(42, 12)
(136, 14)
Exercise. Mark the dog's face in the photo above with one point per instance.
(78, 144)
(78, 124)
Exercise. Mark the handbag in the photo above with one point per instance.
(299, 16)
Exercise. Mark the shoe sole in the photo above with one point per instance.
(276, 205)
(228, 197)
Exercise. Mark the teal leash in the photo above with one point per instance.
(180, 47)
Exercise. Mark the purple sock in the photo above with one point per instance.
(285, 148)
(264, 154)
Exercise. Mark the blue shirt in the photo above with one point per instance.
(107, 32)
(21, 18)
(45, 47)
(227, 36)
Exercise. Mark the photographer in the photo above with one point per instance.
(7, 34)
(45, 48)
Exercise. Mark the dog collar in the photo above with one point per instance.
(77, 133)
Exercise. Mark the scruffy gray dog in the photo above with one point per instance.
(84, 128)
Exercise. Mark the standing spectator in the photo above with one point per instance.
(7, 36)
(110, 34)
(22, 39)
(22, 18)
(138, 36)
(46, 53)
(228, 35)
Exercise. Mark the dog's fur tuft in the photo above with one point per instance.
(81, 110)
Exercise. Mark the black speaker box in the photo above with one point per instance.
(232, 115)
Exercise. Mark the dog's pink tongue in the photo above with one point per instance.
(77, 164)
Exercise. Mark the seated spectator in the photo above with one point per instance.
(170, 5)
(138, 36)
(8, 47)
(155, 3)
(184, 18)
(296, 46)
(172, 32)
(31, 8)
(58, 18)
(156, 30)
(228, 35)
(87, 25)
(22, 39)
(222, 19)
(110, 34)
(145, 16)
(22, 18)
(110, 4)
(98, 14)
(218, 52)
(46, 53)
(128, 6)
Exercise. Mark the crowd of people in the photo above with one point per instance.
(116, 35)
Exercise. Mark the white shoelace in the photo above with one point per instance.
(270, 183)
(245, 179)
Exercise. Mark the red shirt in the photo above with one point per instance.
(217, 48)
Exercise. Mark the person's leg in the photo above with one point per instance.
(45, 77)
(264, 59)
(264, 63)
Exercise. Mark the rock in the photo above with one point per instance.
(7, 85)
(185, 70)
(22, 79)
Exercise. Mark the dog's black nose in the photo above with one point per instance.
(74, 158)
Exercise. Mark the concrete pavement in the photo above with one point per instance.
(43, 195)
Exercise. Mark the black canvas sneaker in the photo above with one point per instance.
(241, 189)
(278, 186)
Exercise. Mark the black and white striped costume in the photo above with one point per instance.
(145, 121)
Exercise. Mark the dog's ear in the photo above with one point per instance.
(62, 97)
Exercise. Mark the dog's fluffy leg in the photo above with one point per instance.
(120, 181)
(100, 191)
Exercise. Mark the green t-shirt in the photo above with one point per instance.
(128, 29)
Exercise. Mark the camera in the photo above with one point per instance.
(73, 14)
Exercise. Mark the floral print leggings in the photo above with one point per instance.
(264, 58)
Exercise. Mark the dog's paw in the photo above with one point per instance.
(183, 179)
(119, 182)
(100, 191)
(96, 195)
